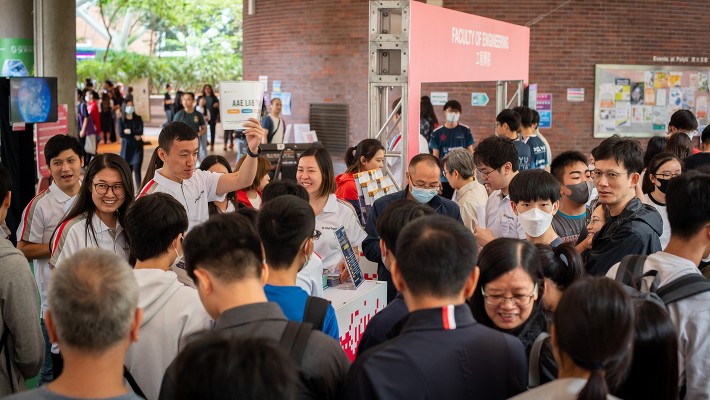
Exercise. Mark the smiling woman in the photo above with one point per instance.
(508, 298)
(96, 219)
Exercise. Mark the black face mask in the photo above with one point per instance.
(580, 192)
(663, 185)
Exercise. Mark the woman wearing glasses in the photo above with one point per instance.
(96, 219)
(599, 216)
(508, 298)
(662, 168)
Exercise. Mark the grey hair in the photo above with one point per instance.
(92, 298)
(461, 160)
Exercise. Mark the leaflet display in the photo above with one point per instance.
(350, 259)
(371, 185)
(638, 100)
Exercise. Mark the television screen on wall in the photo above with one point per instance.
(33, 100)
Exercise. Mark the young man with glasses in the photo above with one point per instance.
(423, 182)
(497, 161)
(632, 227)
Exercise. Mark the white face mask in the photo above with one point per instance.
(452, 117)
(535, 222)
(179, 261)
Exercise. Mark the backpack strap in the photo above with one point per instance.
(315, 312)
(294, 339)
(131, 381)
(684, 287)
(8, 364)
(534, 360)
(630, 270)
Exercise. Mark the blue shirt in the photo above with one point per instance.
(445, 139)
(292, 300)
(538, 151)
(524, 154)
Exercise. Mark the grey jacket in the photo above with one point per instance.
(19, 312)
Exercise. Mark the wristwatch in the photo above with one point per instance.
(257, 154)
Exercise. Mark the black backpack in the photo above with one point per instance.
(631, 275)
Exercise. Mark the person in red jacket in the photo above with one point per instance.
(251, 196)
(369, 154)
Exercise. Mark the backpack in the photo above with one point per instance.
(631, 275)
(315, 312)
(8, 363)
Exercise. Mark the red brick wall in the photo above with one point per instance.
(319, 49)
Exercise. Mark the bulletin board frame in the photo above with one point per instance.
(638, 100)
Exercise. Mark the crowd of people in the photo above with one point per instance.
(545, 277)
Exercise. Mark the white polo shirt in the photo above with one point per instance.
(310, 278)
(72, 236)
(39, 220)
(500, 217)
(335, 214)
(194, 194)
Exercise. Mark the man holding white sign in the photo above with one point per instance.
(194, 189)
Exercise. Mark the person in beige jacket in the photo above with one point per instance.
(471, 196)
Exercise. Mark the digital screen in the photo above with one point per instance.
(33, 100)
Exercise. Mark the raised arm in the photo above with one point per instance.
(245, 176)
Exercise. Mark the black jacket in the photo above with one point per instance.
(634, 231)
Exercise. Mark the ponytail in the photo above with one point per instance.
(351, 160)
(367, 148)
(596, 388)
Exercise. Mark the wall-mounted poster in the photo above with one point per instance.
(638, 100)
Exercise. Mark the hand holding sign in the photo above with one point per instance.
(254, 134)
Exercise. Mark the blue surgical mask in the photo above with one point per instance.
(129, 109)
(423, 196)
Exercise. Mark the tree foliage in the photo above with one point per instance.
(209, 32)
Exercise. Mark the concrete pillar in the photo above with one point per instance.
(55, 48)
(16, 19)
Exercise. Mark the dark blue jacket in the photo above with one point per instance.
(371, 244)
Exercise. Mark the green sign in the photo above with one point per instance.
(17, 57)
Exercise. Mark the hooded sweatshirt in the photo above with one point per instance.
(19, 308)
(635, 231)
(171, 313)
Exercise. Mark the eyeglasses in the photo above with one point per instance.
(518, 299)
(611, 176)
(485, 173)
(597, 220)
(445, 172)
(666, 175)
(102, 188)
(424, 186)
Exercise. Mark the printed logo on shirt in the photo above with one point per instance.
(199, 197)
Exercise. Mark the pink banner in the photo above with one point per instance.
(451, 46)
(46, 131)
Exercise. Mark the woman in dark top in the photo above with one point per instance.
(212, 107)
(130, 127)
(508, 298)
(106, 113)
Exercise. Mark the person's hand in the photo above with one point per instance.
(344, 272)
(82, 133)
(254, 134)
(587, 242)
(215, 104)
(139, 138)
(483, 236)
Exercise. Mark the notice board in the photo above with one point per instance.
(638, 100)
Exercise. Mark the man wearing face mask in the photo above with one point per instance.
(570, 222)
(535, 196)
(422, 186)
(286, 227)
(171, 311)
(449, 136)
(130, 127)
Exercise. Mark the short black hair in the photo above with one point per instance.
(152, 222)
(167, 85)
(684, 120)
(424, 158)
(624, 151)
(564, 160)
(218, 366)
(177, 130)
(526, 116)
(436, 255)
(227, 245)
(250, 213)
(705, 136)
(495, 151)
(57, 144)
(688, 203)
(655, 145)
(454, 105)
(191, 94)
(280, 188)
(509, 117)
(396, 216)
(534, 185)
(536, 117)
(5, 183)
(284, 224)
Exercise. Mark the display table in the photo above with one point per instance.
(353, 309)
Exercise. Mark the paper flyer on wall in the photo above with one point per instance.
(702, 82)
(649, 97)
(694, 81)
(647, 114)
(659, 118)
(623, 113)
(637, 93)
(637, 114)
(648, 78)
(286, 103)
(701, 107)
(661, 97)
(675, 99)
(606, 95)
(674, 78)
(607, 119)
(623, 89)
(688, 99)
(660, 80)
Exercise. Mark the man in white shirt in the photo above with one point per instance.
(42, 215)
(688, 205)
(497, 161)
(194, 189)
